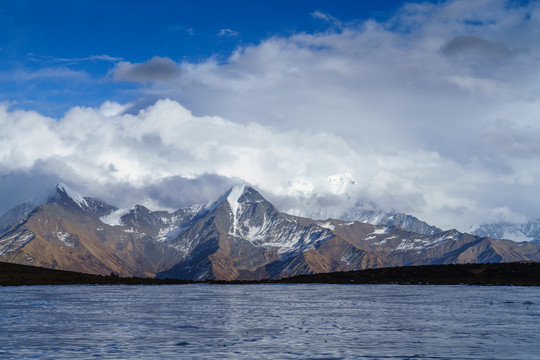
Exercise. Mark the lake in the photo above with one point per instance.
(274, 321)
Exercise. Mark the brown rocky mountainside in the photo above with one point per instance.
(240, 236)
(63, 235)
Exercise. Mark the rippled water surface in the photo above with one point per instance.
(270, 321)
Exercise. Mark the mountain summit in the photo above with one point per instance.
(69, 198)
(65, 194)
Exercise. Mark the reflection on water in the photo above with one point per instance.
(270, 321)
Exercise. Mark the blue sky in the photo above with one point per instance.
(432, 107)
(60, 52)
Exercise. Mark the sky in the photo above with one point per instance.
(432, 107)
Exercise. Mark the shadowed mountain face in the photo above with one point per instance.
(240, 236)
(13, 216)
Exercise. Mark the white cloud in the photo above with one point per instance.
(103, 57)
(55, 73)
(328, 18)
(109, 108)
(228, 33)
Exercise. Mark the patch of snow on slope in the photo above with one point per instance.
(411, 244)
(326, 225)
(427, 242)
(232, 199)
(234, 196)
(516, 236)
(114, 218)
(379, 231)
(64, 237)
(171, 234)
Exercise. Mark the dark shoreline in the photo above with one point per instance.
(498, 274)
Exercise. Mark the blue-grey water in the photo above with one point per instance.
(270, 321)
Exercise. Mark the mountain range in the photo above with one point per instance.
(369, 212)
(528, 231)
(239, 236)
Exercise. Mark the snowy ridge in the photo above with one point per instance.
(529, 231)
(255, 220)
(265, 228)
(73, 195)
(366, 214)
(326, 225)
(361, 211)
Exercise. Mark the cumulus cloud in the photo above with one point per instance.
(104, 146)
(55, 73)
(156, 69)
(166, 154)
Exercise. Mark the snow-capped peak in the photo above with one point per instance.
(340, 182)
(72, 194)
